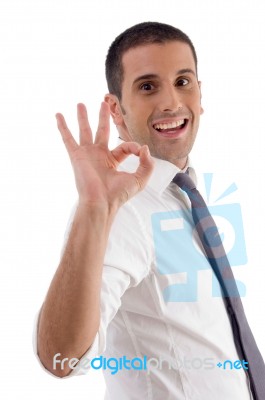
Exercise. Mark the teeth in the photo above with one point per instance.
(174, 124)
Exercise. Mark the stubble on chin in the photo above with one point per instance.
(171, 152)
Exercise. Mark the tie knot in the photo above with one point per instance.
(184, 182)
(187, 185)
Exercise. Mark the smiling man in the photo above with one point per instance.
(118, 298)
(160, 103)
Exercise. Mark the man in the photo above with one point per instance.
(114, 292)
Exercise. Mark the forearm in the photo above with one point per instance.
(70, 315)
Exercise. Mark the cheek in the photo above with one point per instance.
(138, 113)
(196, 107)
(136, 118)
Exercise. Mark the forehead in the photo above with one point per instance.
(158, 59)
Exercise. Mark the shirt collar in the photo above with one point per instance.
(163, 173)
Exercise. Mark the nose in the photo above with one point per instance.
(170, 99)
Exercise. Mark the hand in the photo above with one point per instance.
(95, 167)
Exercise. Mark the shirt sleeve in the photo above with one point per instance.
(126, 263)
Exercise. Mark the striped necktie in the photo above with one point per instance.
(212, 244)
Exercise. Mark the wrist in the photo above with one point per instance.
(97, 210)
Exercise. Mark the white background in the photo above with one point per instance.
(52, 56)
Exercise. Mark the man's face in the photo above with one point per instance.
(161, 100)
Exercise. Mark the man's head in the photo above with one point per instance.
(139, 35)
(154, 94)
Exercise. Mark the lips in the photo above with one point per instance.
(173, 125)
(173, 129)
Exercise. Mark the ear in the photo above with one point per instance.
(115, 108)
(200, 85)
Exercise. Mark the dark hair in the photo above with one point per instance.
(137, 35)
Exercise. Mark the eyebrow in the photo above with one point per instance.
(154, 76)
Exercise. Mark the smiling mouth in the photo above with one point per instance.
(171, 127)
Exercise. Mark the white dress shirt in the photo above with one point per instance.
(157, 303)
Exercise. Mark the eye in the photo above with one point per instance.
(182, 82)
(147, 86)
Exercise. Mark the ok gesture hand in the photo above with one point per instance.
(95, 167)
